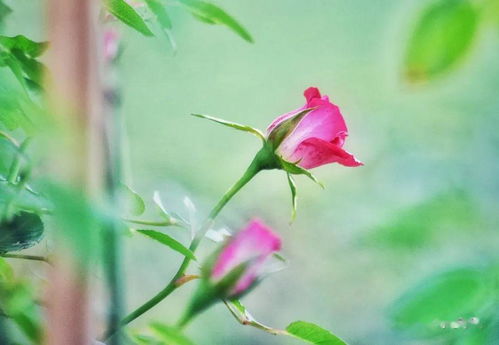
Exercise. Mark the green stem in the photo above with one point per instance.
(259, 163)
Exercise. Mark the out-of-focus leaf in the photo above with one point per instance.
(6, 272)
(443, 35)
(22, 200)
(439, 216)
(127, 14)
(218, 235)
(234, 125)
(12, 112)
(170, 335)
(4, 12)
(313, 334)
(461, 293)
(214, 14)
(21, 43)
(77, 221)
(24, 230)
(169, 241)
(159, 11)
(134, 204)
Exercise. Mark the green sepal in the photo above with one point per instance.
(169, 242)
(294, 169)
(282, 130)
(244, 128)
(294, 197)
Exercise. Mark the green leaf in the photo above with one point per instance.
(134, 203)
(170, 335)
(294, 169)
(21, 43)
(169, 241)
(24, 230)
(127, 14)
(294, 198)
(237, 126)
(281, 131)
(448, 296)
(443, 36)
(313, 334)
(159, 11)
(214, 14)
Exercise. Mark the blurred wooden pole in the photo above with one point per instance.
(75, 100)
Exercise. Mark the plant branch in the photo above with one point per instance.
(26, 257)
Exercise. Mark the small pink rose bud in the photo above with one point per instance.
(317, 138)
(111, 44)
(251, 246)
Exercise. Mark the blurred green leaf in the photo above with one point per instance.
(211, 13)
(170, 335)
(23, 44)
(12, 112)
(234, 125)
(425, 223)
(6, 271)
(77, 221)
(24, 230)
(448, 296)
(443, 35)
(134, 203)
(159, 11)
(128, 15)
(169, 241)
(313, 334)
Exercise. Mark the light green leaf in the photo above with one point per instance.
(443, 35)
(313, 334)
(23, 231)
(21, 43)
(294, 198)
(294, 169)
(211, 13)
(159, 11)
(134, 203)
(237, 126)
(170, 335)
(448, 296)
(169, 241)
(127, 14)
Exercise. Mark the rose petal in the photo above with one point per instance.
(314, 152)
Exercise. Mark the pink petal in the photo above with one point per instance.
(255, 242)
(314, 152)
(325, 122)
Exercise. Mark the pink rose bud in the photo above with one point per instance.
(111, 44)
(312, 138)
(251, 246)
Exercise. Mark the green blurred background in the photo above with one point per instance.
(425, 201)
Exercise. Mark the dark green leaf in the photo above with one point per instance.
(214, 14)
(461, 293)
(443, 35)
(169, 241)
(24, 230)
(127, 14)
(237, 126)
(159, 11)
(294, 198)
(170, 335)
(313, 334)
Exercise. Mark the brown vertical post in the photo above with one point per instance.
(75, 100)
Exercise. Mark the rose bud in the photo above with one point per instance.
(236, 268)
(249, 248)
(312, 135)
